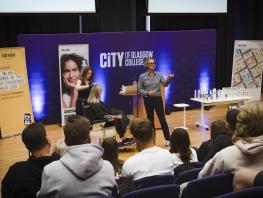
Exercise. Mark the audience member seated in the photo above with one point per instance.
(60, 148)
(224, 140)
(181, 151)
(245, 178)
(151, 160)
(111, 154)
(81, 172)
(217, 127)
(247, 150)
(23, 179)
(115, 117)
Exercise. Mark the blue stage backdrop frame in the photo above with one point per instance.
(190, 54)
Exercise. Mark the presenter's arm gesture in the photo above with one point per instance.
(165, 82)
(170, 76)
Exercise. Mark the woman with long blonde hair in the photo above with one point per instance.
(115, 117)
(95, 95)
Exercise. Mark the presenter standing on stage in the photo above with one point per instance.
(149, 86)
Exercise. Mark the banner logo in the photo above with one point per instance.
(125, 58)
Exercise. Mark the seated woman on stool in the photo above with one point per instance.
(114, 116)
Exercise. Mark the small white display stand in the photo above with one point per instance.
(182, 105)
(221, 101)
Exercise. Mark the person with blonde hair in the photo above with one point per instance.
(60, 147)
(115, 117)
(95, 95)
(247, 150)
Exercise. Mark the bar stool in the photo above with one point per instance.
(182, 105)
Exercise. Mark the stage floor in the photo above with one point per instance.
(12, 149)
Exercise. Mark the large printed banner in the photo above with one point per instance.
(15, 104)
(247, 67)
(117, 59)
(69, 75)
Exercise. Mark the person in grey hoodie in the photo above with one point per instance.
(247, 150)
(81, 172)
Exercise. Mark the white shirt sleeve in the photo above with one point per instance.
(194, 155)
(126, 170)
(176, 161)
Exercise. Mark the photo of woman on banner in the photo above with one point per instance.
(149, 86)
(71, 65)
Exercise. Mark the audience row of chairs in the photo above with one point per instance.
(196, 188)
(172, 191)
(219, 186)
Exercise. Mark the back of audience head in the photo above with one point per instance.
(35, 138)
(142, 131)
(249, 122)
(77, 130)
(180, 143)
(231, 119)
(111, 152)
(218, 127)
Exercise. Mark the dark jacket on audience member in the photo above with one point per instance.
(203, 150)
(23, 179)
(101, 110)
(221, 142)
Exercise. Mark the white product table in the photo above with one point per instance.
(204, 102)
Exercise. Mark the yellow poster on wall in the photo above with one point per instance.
(15, 104)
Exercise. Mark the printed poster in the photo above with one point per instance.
(247, 67)
(15, 103)
(72, 58)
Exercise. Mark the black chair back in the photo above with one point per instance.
(187, 176)
(156, 180)
(88, 113)
(166, 191)
(255, 192)
(208, 187)
(185, 167)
